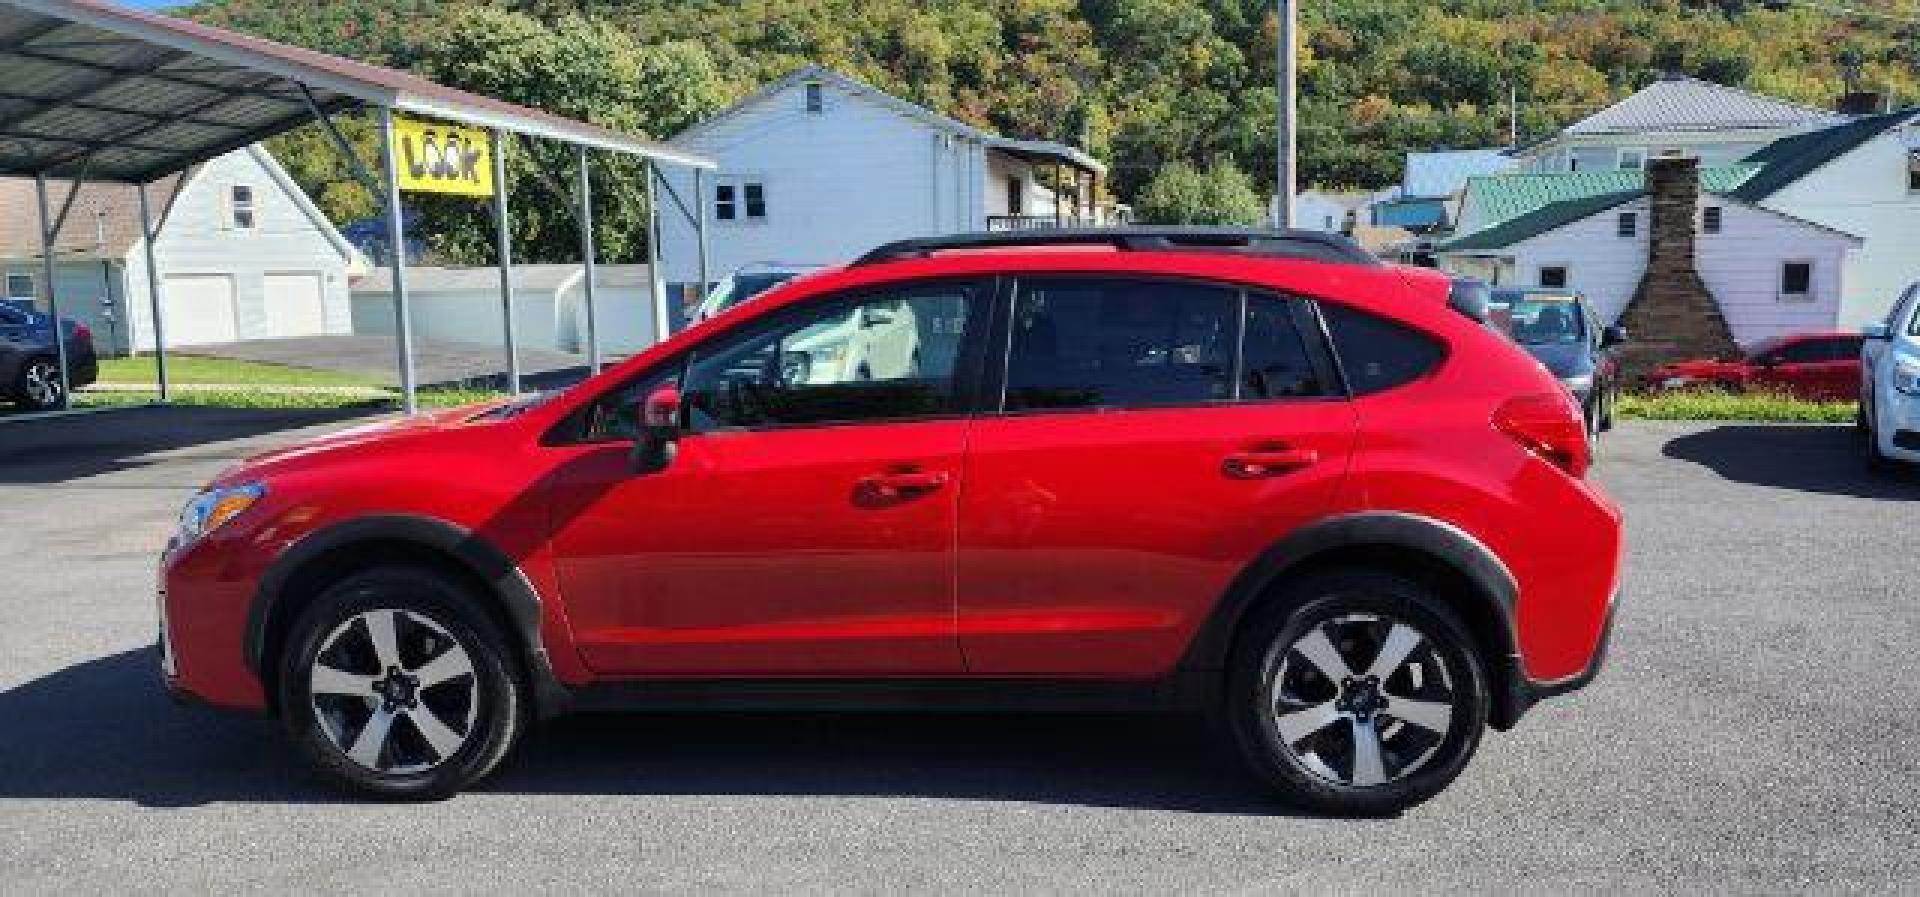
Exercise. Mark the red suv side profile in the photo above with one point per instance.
(1256, 475)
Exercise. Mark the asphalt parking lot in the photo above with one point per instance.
(1756, 730)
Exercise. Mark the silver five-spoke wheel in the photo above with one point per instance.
(1361, 700)
(42, 384)
(394, 691)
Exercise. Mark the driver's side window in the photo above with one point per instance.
(885, 356)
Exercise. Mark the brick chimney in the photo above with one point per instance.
(1672, 314)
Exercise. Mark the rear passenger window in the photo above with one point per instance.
(1275, 360)
(1091, 343)
(1377, 354)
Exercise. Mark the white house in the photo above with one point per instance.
(1674, 116)
(818, 167)
(1815, 230)
(1334, 212)
(462, 305)
(243, 254)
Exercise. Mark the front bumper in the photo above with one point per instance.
(1899, 426)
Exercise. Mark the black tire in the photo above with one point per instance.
(1416, 762)
(29, 394)
(1606, 409)
(490, 697)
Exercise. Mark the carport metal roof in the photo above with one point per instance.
(124, 95)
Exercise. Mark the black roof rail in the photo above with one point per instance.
(1306, 245)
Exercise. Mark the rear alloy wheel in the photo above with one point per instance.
(1366, 699)
(41, 387)
(397, 687)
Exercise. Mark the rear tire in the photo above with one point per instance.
(1334, 726)
(39, 386)
(395, 684)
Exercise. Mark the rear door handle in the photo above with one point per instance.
(1255, 464)
(903, 483)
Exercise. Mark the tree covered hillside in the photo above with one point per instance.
(1141, 83)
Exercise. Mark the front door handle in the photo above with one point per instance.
(1256, 464)
(903, 483)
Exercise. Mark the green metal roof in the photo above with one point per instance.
(1791, 158)
(1539, 221)
(1502, 198)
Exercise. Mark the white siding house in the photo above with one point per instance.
(1674, 116)
(817, 168)
(243, 254)
(1742, 262)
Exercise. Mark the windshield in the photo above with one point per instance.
(1538, 319)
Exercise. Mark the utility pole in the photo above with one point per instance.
(1513, 115)
(1287, 173)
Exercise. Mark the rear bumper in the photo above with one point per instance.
(1523, 693)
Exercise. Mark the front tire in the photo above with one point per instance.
(395, 684)
(1357, 694)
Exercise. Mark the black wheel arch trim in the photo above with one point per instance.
(507, 584)
(1495, 591)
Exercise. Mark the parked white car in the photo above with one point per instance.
(1890, 383)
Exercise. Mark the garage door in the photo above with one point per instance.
(294, 305)
(199, 309)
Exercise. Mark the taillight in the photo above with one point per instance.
(82, 331)
(1548, 425)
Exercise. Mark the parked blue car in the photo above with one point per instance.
(30, 361)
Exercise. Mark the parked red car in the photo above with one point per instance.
(1822, 366)
(1256, 475)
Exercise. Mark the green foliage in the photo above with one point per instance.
(1141, 83)
(1183, 194)
(1697, 404)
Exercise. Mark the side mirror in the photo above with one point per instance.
(1612, 336)
(659, 438)
(1875, 331)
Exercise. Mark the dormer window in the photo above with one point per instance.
(240, 204)
(816, 97)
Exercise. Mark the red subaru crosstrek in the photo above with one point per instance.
(1256, 475)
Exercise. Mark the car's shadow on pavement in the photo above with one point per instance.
(57, 450)
(104, 730)
(1812, 458)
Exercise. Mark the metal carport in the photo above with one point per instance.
(90, 91)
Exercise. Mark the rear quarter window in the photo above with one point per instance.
(1377, 354)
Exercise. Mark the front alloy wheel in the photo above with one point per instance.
(394, 691)
(397, 682)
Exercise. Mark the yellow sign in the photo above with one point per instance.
(436, 158)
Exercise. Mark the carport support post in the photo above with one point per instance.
(586, 257)
(662, 316)
(153, 295)
(700, 230)
(397, 244)
(53, 295)
(504, 240)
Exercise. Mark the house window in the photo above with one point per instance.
(1710, 219)
(1796, 280)
(20, 286)
(739, 201)
(756, 195)
(1913, 170)
(1629, 224)
(1635, 159)
(240, 202)
(1553, 276)
(816, 97)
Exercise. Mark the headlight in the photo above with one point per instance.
(211, 510)
(1906, 375)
